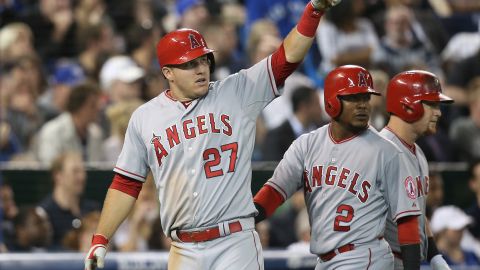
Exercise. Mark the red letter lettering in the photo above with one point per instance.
(212, 124)
(172, 136)
(353, 183)
(201, 124)
(365, 189)
(306, 186)
(419, 186)
(225, 121)
(317, 176)
(330, 178)
(160, 151)
(189, 132)
(343, 176)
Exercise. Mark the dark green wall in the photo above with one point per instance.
(30, 186)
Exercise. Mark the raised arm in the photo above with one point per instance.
(297, 43)
(300, 39)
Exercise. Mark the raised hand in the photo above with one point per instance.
(324, 4)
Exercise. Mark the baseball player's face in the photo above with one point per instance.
(189, 80)
(427, 125)
(355, 111)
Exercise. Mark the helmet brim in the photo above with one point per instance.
(437, 97)
(358, 90)
(191, 55)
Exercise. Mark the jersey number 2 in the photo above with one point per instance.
(215, 153)
(345, 212)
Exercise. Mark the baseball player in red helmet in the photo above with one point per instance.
(352, 180)
(413, 101)
(197, 139)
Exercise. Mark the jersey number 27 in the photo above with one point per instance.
(212, 158)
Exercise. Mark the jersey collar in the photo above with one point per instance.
(410, 147)
(340, 141)
(168, 94)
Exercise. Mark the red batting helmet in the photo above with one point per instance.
(408, 89)
(343, 81)
(181, 46)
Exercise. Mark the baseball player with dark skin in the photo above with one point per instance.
(352, 180)
(413, 101)
(197, 139)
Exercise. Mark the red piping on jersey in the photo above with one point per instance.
(256, 250)
(184, 103)
(409, 211)
(369, 258)
(126, 185)
(278, 188)
(143, 177)
(269, 60)
(410, 147)
(167, 93)
(341, 141)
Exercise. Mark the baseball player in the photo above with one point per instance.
(352, 179)
(197, 139)
(413, 101)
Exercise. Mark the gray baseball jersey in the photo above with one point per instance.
(200, 155)
(350, 186)
(417, 166)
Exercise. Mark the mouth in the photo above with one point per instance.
(361, 116)
(201, 81)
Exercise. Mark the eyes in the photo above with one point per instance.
(202, 60)
(364, 97)
(432, 104)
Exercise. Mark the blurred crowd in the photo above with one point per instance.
(73, 71)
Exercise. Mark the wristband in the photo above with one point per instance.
(308, 23)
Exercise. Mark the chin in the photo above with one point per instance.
(357, 127)
(430, 131)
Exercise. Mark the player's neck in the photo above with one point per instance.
(177, 95)
(402, 129)
(340, 132)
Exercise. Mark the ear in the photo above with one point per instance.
(168, 73)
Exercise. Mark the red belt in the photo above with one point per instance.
(207, 234)
(329, 255)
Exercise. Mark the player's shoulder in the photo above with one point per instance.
(321, 131)
(312, 137)
(148, 108)
(382, 141)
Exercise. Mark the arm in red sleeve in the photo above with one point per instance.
(298, 43)
(281, 69)
(409, 239)
(267, 200)
(126, 185)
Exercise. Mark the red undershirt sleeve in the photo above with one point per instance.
(126, 185)
(268, 198)
(281, 69)
(408, 230)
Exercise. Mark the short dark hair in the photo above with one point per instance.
(80, 94)
(301, 95)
